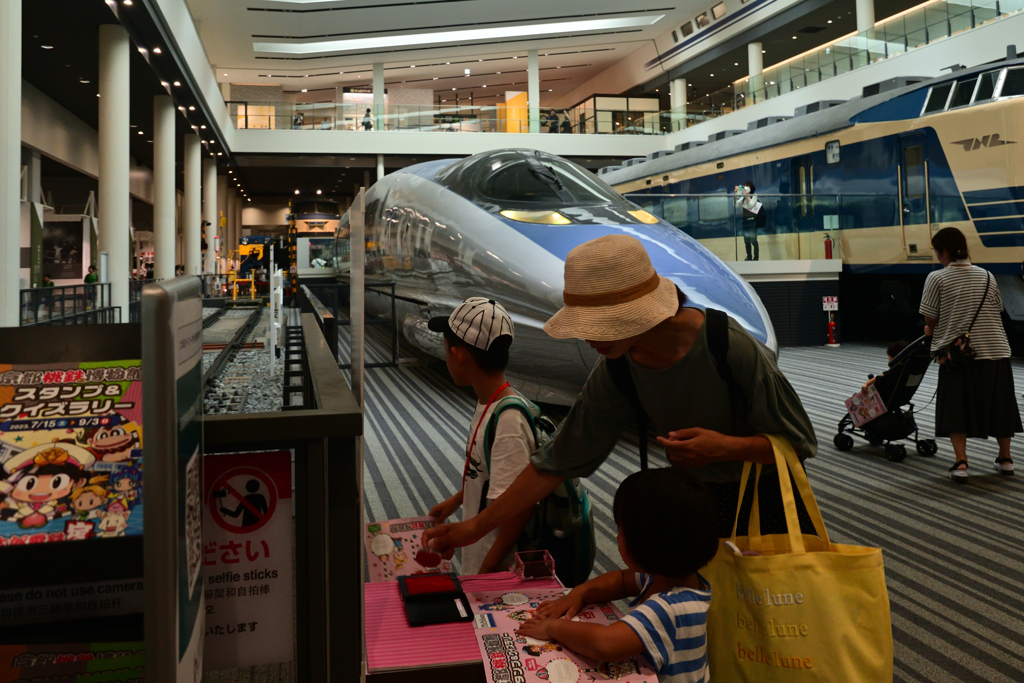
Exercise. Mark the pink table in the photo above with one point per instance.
(392, 645)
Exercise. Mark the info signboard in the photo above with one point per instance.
(172, 342)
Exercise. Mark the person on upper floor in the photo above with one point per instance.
(630, 315)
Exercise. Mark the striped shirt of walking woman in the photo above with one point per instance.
(976, 399)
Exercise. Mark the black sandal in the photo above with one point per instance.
(1004, 466)
(958, 475)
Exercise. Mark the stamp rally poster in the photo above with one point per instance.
(509, 656)
(70, 451)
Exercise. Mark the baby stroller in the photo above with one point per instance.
(896, 387)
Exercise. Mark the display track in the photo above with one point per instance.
(226, 381)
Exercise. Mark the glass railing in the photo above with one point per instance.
(442, 118)
(793, 226)
(917, 27)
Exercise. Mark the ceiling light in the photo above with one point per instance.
(413, 66)
(504, 32)
(140, 132)
(97, 94)
(763, 51)
(181, 108)
(319, 192)
(164, 83)
(83, 80)
(202, 127)
(132, 125)
(304, 90)
(453, 88)
(794, 37)
(142, 50)
(296, 191)
(466, 71)
(735, 63)
(157, 51)
(46, 47)
(177, 84)
(127, 3)
(499, 72)
(220, 154)
(435, 78)
(712, 75)
(191, 108)
(225, 74)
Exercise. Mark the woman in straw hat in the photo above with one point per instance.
(616, 301)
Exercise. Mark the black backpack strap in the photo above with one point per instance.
(618, 368)
(717, 324)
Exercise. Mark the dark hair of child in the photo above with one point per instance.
(494, 359)
(896, 348)
(953, 242)
(668, 521)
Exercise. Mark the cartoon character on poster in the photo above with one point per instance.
(112, 443)
(125, 486)
(87, 499)
(38, 482)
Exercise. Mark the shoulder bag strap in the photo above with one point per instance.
(988, 284)
(618, 368)
(718, 345)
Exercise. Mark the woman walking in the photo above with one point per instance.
(976, 396)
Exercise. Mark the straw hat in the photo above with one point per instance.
(611, 292)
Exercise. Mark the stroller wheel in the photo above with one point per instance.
(843, 442)
(895, 452)
(927, 448)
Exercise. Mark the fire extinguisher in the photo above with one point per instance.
(832, 330)
(828, 246)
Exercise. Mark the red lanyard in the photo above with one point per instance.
(469, 452)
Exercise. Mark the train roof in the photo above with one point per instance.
(896, 104)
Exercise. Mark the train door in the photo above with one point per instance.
(913, 197)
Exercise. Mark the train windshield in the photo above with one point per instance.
(517, 177)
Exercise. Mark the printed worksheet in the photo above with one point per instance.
(865, 406)
(498, 614)
(394, 549)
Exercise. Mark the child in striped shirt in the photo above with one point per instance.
(667, 531)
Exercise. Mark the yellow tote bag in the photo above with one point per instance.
(806, 609)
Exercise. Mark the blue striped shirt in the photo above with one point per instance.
(673, 628)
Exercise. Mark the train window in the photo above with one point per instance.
(986, 86)
(675, 36)
(802, 181)
(702, 20)
(937, 98)
(543, 178)
(515, 182)
(718, 11)
(963, 92)
(913, 164)
(686, 28)
(1013, 84)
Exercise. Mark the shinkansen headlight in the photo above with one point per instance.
(644, 217)
(545, 217)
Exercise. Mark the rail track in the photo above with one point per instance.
(227, 384)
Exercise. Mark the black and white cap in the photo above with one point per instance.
(477, 321)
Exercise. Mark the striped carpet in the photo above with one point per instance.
(954, 556)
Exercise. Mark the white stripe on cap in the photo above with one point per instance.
(479, 321)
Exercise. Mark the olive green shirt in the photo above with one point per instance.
(690, 393)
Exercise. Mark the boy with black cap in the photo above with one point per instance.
(477, 337)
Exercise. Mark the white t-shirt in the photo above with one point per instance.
(510, 454)
(953, 295)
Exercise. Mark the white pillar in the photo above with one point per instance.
(231, 237)
(191, 208)
(10, 162)
(113, 199)
(533, 90)
(209, 208)
(678, 100)
(380, 166)
(755, 67)
(163, 187)
(378, 97)
(222, 212)
(865, 15)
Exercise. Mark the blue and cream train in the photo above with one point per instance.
(887, 170)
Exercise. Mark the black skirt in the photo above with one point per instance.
(977, 398)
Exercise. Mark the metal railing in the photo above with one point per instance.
(920, 26)
(442, 118)
(327, 302)
(69, 305)
(135, 299)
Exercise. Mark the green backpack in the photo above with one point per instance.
(563, 523)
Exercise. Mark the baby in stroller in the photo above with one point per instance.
(896, 387)
(892, 351)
